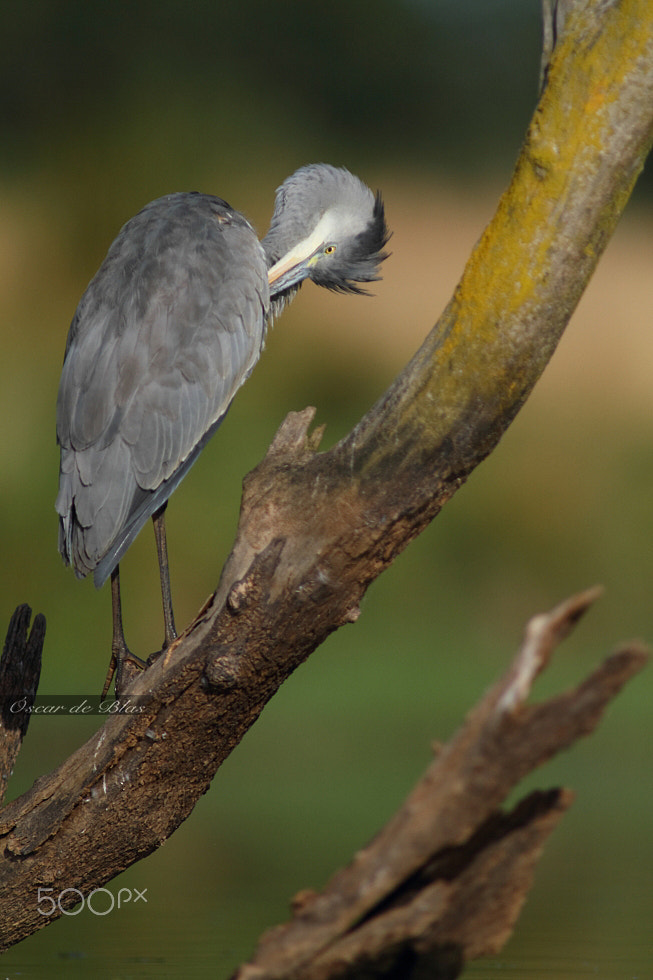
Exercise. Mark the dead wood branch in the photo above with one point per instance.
(20, 670)
(317, 528)
(448, 874)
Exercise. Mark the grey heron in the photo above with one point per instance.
(166, 332)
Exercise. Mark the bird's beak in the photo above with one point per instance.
(289, 271)
(296, 264)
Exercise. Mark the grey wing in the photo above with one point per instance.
(166, 333)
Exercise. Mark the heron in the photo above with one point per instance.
(165, 334)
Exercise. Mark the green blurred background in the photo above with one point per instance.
(105, 106)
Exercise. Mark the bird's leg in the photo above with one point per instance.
(158, 519)
(120, 652)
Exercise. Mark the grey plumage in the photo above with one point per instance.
(167, 331)
(358, 226)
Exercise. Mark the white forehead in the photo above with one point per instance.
(334, 226)
(338, 223)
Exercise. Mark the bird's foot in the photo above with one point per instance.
(125, 665)
(127, 669)
(167, 643)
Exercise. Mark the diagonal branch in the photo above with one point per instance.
(316, 528)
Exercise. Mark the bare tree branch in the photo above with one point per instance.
(409, 891)
(316, 528)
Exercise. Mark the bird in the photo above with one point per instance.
(167, 331)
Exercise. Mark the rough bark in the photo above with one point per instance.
(317, 528)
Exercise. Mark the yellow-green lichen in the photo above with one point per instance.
(551, 225)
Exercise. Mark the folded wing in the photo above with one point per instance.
(165, 334)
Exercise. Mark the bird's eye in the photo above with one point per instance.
(329, 250)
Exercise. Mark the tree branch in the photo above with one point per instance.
(316, 528)
(447, 870)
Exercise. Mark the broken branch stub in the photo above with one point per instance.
(20, 670)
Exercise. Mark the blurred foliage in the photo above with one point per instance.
(377, 73)
(106, 105)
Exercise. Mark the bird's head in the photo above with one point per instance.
(327, 226)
